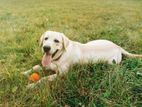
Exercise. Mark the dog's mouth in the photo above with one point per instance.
(47, 58)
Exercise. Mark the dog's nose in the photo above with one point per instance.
(46, 48)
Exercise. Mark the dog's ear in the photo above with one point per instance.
(41, 40)
(65, 41)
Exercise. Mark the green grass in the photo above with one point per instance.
(94, 85)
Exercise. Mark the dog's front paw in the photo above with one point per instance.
(26, 73)
(31, 86)
(23, 73)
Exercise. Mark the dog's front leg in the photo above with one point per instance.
(45, 79)
(60, 71)
(42, 80)
(51, 66)
(35, 68)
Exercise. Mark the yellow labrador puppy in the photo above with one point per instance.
(60, 53)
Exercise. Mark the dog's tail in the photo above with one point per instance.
(130, 54)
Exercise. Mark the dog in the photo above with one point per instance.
(60, 53)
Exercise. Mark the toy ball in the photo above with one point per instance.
(34, 77)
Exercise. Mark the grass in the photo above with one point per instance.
(94, 85)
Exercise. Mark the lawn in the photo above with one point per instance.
(94, 85)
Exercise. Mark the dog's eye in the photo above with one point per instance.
(46, 38)
(56, 41)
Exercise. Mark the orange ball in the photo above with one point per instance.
(34, 77)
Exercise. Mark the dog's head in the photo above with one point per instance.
(52, 43)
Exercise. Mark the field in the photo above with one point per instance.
(94, 85)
